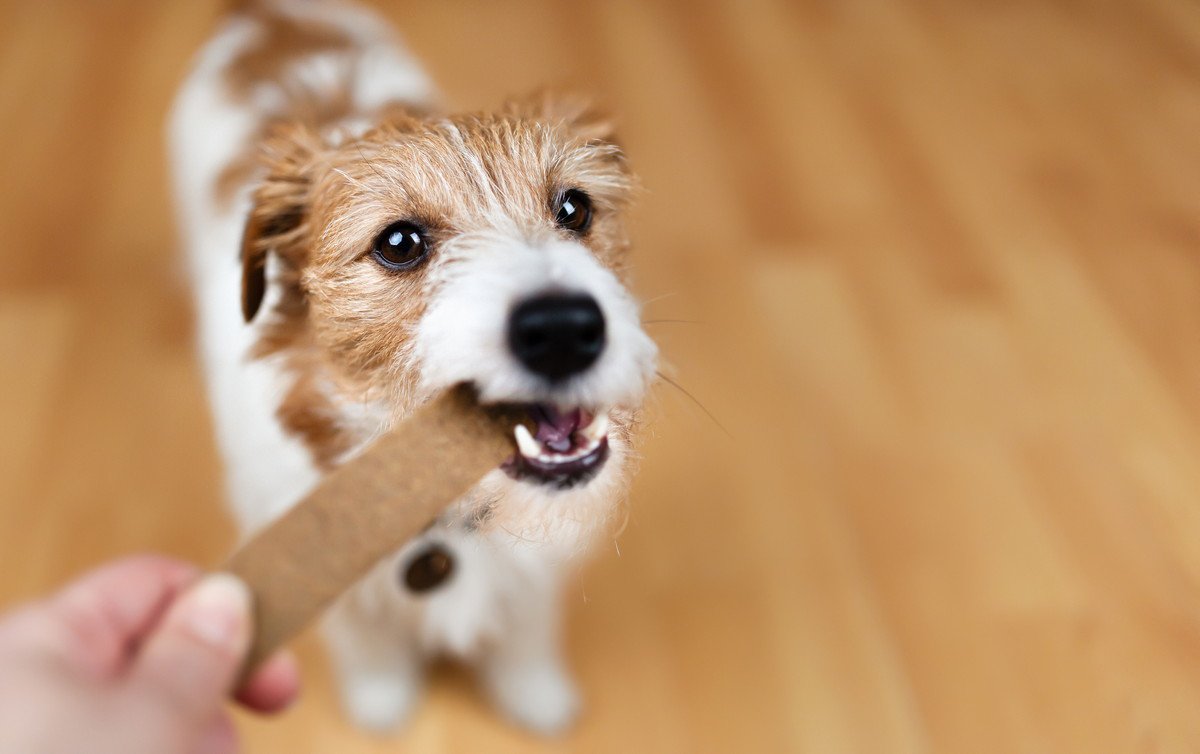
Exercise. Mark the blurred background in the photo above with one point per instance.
(933, 265)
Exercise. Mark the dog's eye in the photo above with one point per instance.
(400, 246)
(574, 211)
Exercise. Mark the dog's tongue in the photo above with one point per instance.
(554, 427)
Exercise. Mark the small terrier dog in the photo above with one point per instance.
(388, 252)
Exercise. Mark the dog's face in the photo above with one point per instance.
(486, 249)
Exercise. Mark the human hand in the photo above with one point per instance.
(135, 657)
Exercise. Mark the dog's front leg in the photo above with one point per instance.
(524, 673)
(377, 663)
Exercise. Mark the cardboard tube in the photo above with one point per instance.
(366, 509)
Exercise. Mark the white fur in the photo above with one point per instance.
(500, 608)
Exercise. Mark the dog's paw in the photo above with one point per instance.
(379, 702)
(541, 698)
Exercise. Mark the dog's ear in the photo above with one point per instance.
(278, 218)
(579, 113)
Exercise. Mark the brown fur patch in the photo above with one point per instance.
(283, 40)
(281, 43)
(308, 412)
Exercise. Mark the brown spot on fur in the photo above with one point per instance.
(319, 110)
(308, 412)
(282, 41)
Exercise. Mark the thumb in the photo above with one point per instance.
(191, 662)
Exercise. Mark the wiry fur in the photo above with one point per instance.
(303, 131)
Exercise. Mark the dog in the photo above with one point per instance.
(355, 251)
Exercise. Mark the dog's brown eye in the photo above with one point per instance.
(574, 211)
(400, 246)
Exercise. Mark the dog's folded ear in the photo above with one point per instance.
(277, 220)
(577, 112)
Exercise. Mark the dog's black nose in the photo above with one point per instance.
(557, 335)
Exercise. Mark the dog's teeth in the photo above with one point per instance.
(525, 442)
(598, 429)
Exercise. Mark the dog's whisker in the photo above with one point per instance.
(371, 165)
(659, 297)
(694, 400)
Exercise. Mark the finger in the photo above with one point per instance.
(219, 738)
(102, 616)
(191, 661)
(274, 686)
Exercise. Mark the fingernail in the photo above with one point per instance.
(217, 610)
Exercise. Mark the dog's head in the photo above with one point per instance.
(427, 252)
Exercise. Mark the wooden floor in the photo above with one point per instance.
(939, 264)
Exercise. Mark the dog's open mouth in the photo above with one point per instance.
(568, 447)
